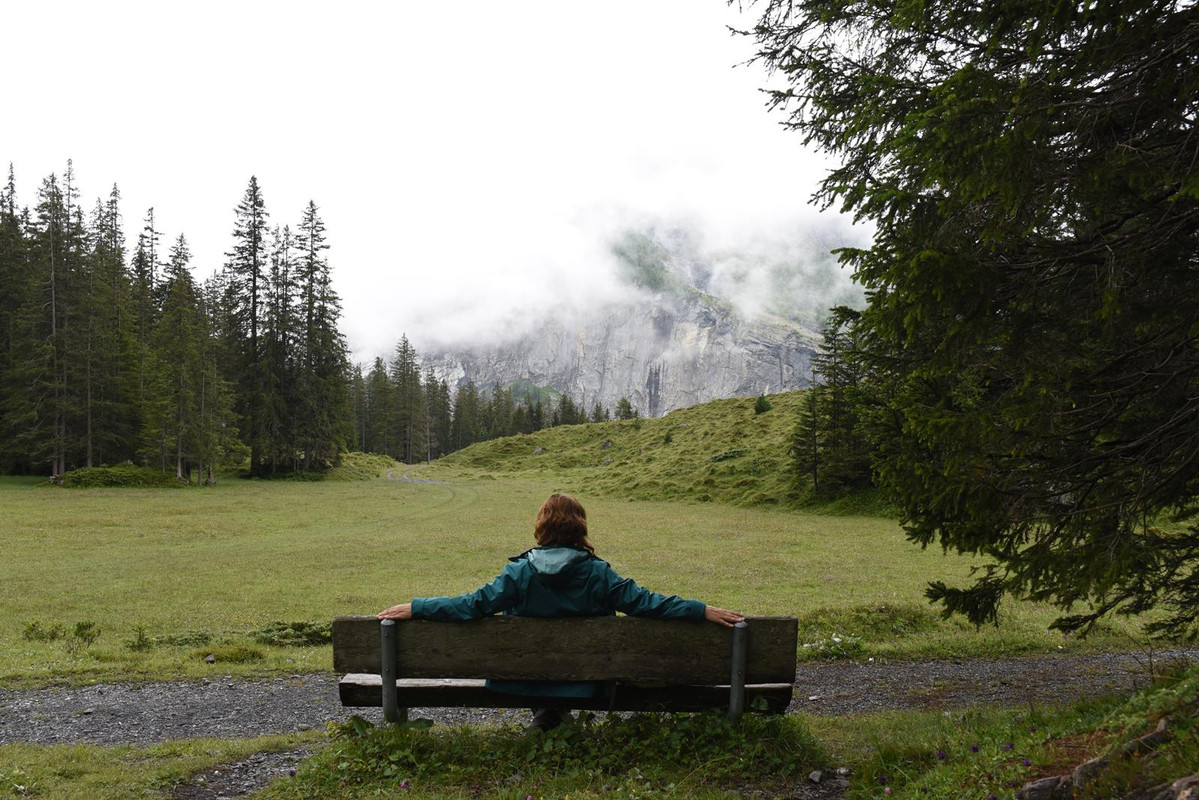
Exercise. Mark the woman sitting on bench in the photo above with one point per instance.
(560, 577)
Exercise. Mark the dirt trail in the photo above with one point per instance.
(224, 708)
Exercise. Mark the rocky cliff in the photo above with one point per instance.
(669, 347)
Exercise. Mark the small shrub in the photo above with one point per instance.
(669, 437)
(184, 639)
(125, 475)
(83, 636)
(141, 641)
(230, 654)
(762, 405)
(728, 455)
(35, 632)
(294, 634)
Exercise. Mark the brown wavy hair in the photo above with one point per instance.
(562, 522)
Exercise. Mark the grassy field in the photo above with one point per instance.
(108, 584)
(172, 576)
(714, 452)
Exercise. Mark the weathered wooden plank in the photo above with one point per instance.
(366, 690)
(580, 648)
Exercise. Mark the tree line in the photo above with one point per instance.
(112, 354)
(413, 417)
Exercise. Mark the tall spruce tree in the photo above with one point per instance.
(408, 409)
(106, 344)
(378, 419)
(323, 418)
(465, 426)
(36, 407)
(1029, 170)
(246, 293)
(279, 340)
(173, 426)
(217, 438)
(14, 283)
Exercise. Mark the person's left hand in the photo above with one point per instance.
(402, 611)
(722, 616)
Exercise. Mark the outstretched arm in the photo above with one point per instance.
(497, 596)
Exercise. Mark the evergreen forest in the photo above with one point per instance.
(113, 353)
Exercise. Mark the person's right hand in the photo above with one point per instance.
(402, 611)
(723, 617)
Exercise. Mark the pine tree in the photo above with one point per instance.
(409, 419)
(106, 339)
(358, 408)
(438, 432)
(217, 439)
(379, 402)
(279, 341)
(466, 416)
(177, 344)
(145, 268)
(36, 406)
(845, 452)
(806, 441)
(14, 283)
(323, 416)
(246, 292)
(1029, 171)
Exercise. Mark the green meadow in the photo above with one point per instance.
(101, 584)
(170, 577)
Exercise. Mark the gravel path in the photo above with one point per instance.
(127, 713)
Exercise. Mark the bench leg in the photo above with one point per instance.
(737, 672)
(387, 673)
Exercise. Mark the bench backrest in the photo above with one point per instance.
(579, 648)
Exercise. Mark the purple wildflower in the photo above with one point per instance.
(404, 784)
(1026, 763)
(941, 755)
(1008, 746)
(291, 773)
(973, 748)
(882, 779)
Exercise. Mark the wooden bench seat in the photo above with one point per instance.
(647, 664)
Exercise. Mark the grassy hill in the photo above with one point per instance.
(717, 451)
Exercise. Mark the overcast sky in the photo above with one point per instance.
(468, 158)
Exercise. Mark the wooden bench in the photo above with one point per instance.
(648, 664)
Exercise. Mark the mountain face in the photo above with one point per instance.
(668, 346)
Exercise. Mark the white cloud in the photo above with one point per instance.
(467, 158)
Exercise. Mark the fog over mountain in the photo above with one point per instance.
(673, 316)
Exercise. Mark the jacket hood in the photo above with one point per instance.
(553, 561)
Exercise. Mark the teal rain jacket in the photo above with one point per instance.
(556, 582)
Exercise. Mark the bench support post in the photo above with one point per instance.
(737, 673)
(387, 673)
